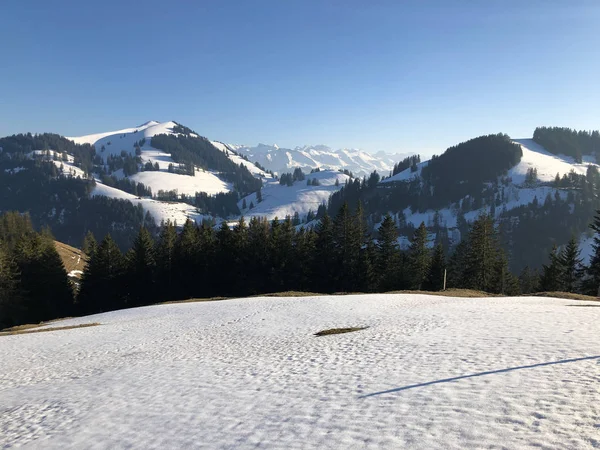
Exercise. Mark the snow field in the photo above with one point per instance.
(463, 373)
(281, 200)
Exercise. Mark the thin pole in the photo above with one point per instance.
(444, 280)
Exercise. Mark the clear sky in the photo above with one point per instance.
(379, 75)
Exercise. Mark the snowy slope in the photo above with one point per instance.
(281, 200)
(239, 160)
(281, 160)
(516, 193)
(113, 143)
(249, 373)
(172, 211)
(546, 163)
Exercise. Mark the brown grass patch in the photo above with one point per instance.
(28, 329)
(565, 295)
(464, 293)
(339, 331)
(72, 258)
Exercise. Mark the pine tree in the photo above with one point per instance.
(388, 257)
(347, 244)
(572, 267)
(186, 254)
(90, 245)
(528, 280)
(42, 272)
(482, 255)
(457, 264)
(141, 270)
(11, 306)
(552, 273)
(325, 260)
(419, 258)
(592, 283)
(244, 206)
(435, 278)
(165, 256)
(101, 284)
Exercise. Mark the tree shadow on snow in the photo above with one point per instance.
(480, 374)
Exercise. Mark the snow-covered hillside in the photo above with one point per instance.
(116, 142)
(429, 372)
(278, 201)
(517, 193)
(281, 160)
(281, 200)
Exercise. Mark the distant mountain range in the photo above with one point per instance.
(308, 157)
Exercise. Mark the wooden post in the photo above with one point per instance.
(444, 280)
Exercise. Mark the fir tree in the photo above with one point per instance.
(419, 258)
(572, 268)
(388, 258)
(552, 273)
(592, 283)
(90, 245)
(101, 284)
(165, 258)
(529, 281)
(11, 306)
(435, 279)
(141, 270)
(482, 256)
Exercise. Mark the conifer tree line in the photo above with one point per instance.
(338, 255)
(33, 282)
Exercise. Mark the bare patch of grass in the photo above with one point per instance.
(72, 258)
(464, 293)
(566, 295)
(28, 329)
(339, 331)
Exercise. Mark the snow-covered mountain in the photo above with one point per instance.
(531, 183)
(517, 192)
(277, 200)
(281, 160)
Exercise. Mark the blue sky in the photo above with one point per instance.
(380, 75)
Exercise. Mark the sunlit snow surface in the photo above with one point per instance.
(429, 372)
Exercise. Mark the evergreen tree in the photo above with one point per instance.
(419, 258)
(435, 279)
(42, 272)
(482, 256)
(572, 268)
(11, 306)
(141, 270)
(529, 281)
(325, 260)
(552, 273)
(101, 284)
(165, 259)
(90, 244)
(592, 283)
(388, 257)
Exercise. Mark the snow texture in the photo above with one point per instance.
(429, 372)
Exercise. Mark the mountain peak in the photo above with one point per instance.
(148, 124)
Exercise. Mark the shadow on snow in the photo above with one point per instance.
(480, 374)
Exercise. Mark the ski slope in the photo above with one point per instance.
(429, 372)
